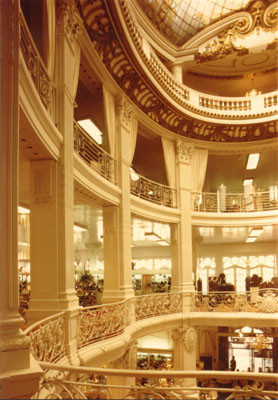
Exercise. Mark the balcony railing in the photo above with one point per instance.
(61, 381)
(48, 338)
(259, 300)
(234, 202)
(152, 191)
(93, 154)
(36, 67)
(157, 304)
(103, 322)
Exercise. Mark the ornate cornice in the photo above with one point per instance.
(140, 89)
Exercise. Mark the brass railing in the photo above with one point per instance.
(257, 300)
(36, 67)
(72, 382)
(234, 202)
(93, 154)
(152, 191)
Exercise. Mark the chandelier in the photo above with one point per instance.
(258, 342)
(253, 91)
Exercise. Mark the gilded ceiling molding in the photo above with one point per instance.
(140, 92)
(260, 17)
(184, 151)
(68, 15)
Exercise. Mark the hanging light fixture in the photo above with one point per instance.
(258, 342)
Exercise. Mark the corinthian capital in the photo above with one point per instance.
(184, 151)
(69, 17)
(124, 111)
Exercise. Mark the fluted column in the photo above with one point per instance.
(16, 363)
(117, 219)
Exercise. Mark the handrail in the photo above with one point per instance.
(88, 382)
(234, 202)
(94, 155)
(153, 191)
(259, 300)
(36, 66)
(152, 305)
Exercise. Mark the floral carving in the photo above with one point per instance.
(187, 336)
(268, 302)
(157, 304)
(68, 15)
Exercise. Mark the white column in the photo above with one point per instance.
(44, 240)
(176, 70)
(67, 72)
(184, 352)
(127, 361)
(117, 220)
(181, 234)
(19, 373)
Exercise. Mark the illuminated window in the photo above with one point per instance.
(206, 268)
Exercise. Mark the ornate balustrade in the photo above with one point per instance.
(103, 322)
(157, 304)
(48, 338)
(257, 300)
(152, 191)
(69, 382)
(93, 154)
(36, 67)
(234, 202)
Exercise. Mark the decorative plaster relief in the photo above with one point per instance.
(184, 151)
(68, 15)
(187, 336)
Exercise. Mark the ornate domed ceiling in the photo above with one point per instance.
(179, 20)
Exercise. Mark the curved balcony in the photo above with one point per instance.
(152, 191)
(49, 346)
(235, 202)
(94, 155)
(36, 68)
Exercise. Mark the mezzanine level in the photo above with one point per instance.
(104, 329)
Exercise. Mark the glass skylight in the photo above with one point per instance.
(181, 19)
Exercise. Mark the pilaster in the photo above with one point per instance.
(117, 220)
(184, 352)
(181, 234)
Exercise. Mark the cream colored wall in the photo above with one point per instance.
(24, 180)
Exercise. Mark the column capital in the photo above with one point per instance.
(184, 151)
(187, 336)
(124, 111)
(69, 17)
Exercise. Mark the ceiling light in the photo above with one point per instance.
(133, 175)
(256, 232)
(252, 161)
(162, 243)
(91, 129)
(251, 239)
(79, 228)
(248, 181)
(23, 210)
(152, 236)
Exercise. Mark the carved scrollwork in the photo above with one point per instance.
(187, 336)
(259, 17)
(68, 15)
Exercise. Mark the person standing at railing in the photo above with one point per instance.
(233, 364)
